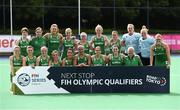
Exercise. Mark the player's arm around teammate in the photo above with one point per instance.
(54, 39)
(68, 42)
(99, 39)
(131, 39)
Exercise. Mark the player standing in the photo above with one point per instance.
(131, 39)
(99, 39)
(54, 39)
(16, 62)
(38, 41)
(23, 42)
(161, 52)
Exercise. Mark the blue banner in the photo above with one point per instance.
(144, 79)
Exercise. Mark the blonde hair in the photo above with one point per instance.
(79, 46)
(68, 30)
(100, 27)
(44, 47)
(144, 30)
(16, 46)
(130, 25)
(54, 25)
(116, 32)
(83, 34)
(130, 48)
(55, 51)
(158, 35)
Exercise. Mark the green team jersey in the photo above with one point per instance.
(98, 61)
(82, 59)
(67, 44)
(134, 61)
(86, 47)
(58, 64)
(44, 62)
(23, 45)
(107, 50)
(160, 56)
(100, 42)
(53, 43)
(117, 43)
(30, 61)
(69, 62)
(17, 63)
(37, 43)
(116, 60)
(91, 52)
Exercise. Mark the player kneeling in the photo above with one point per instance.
(98, 59)
(116, 58)
(132, 59)
(82, 59)
(43, 59)
(30, 59)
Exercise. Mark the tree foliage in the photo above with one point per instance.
(162, 14)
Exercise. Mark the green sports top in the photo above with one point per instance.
(37, 43)
(30, 61)
(23, 45)
(100, 42)
(67, 44)
(69, 62)
(44, 62)
(117, 43)
(56, 64)
(53, 43)
(134, 61)
(98, 61)
(17, 62)
(107, 50)
(86, 47)
(160, 56)
(116, 60)
(82, 59)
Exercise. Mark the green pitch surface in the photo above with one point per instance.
(124, 101)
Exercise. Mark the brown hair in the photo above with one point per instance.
(24, 29)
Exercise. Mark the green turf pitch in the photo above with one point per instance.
(124, 101)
